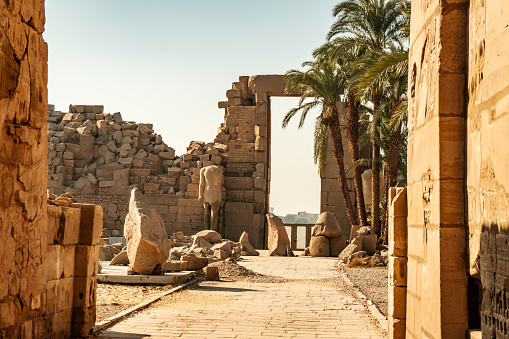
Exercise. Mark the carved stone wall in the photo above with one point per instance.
(488, 161)
(436, 277)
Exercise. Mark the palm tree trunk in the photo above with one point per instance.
(353, 138)
(392, 172)
(339, 153)
(375, 171)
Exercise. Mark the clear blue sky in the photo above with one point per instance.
(169, 62)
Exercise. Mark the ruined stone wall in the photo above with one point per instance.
(99, 158)
(437, 279)
(488, 161)
(23, 168)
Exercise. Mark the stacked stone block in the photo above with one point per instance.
(71, 266)
(99, 158)
(398, 251)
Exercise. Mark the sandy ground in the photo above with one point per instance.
(114, 298)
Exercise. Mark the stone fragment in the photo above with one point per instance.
(120, 259)
(354, 246)
(212, 273)
(147, 241)
(319, 246)
(327, 225)
(369, 242)
(279, 243)
(194, 263)
(208, 235)
(246, 246)
(174, 266)
(117, 117)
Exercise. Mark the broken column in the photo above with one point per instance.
(398, 249)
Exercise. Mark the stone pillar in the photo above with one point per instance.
(397, 267)
(437, 280)
(23, 168)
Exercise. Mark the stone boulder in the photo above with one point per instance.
(319, 246)
(209, 235)
(174, 266)
(356, 259)
(337, 245)
(120, 259)
(193, 263)
(247, 248)
(147, 241)
(327, 225)
(354, 246)
(279, 243)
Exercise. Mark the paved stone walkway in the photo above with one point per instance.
(310, 306)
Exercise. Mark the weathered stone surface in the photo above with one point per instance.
(279, 243)
(337, 245)
(120, 259)
(106, 253)
(211, 273)
(147, 241)
(174, 266)
(246, 246)
(193, 263)
(327, 225)
(209, 236)
(354, 246)
(319, 246)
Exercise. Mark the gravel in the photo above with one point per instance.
(372, 282)
(230, 270)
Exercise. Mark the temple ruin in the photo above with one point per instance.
(99, 158)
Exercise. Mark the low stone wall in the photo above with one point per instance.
(71, 266)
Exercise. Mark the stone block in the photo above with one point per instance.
(212, 273)
(60, 323)
(86, 259)
(55, 260)
(117, 135)
(397, 328)
(397, 271)
(85, 291)
(167, 155)
(91, 224)
(397, 302)
(174, 172)
(70, 252)
(105, 183)
(70, 218)
(153, 157)
(121, 177)
(398, 202)
(59, 295)
(398, 236)
(117, 117)
(83, 320)
(122, 190)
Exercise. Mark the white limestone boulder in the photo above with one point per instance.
(327, 225)
(148, 246)
(279, 243)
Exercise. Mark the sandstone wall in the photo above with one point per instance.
(437, 279)
(23, 168)
(99, 158)
(488, 160)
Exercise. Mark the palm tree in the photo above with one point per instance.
(371, 25)
(389, 73)
(347, 59)
(323, 81)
